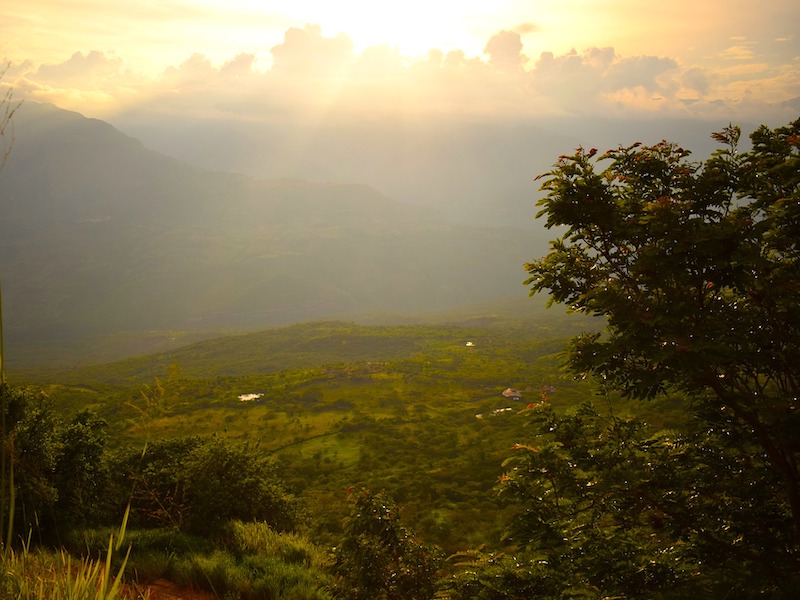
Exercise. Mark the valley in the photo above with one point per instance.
(413, 411)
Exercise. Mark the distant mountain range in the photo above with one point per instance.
(477, 170)
(100, 235)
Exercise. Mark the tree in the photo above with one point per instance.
(694, 266)
(379, 559)
(33, 446)
(7, 109)
(200, 484)
(58, 471)
(607, 508)
(227, 481)
(81, 474)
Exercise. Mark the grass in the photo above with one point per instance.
(404, 424)
(248, 561)
(38, 574)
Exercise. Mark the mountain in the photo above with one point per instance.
(100, 235)
(475, 170)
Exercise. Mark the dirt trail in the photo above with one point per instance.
(162, 589)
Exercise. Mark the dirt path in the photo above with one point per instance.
(162, 589)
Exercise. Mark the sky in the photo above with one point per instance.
(260, 60)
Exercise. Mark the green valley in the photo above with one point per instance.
(416, 411)
(243, 382)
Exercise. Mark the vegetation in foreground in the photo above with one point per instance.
(694, 268)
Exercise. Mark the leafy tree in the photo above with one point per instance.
(199, 485)
(153, 481)
(379, 559)
(82, 472)
(606, 508)
(694, 265)
(57, 471)
(227, 481)
(33, 445)
(7, 109)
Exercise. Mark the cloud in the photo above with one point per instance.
(196, 69)
(600, 80)
(641, 71)
(242, 66)
(525, 28)
(696, 79)
(739, 53)
(505, 51)
(80, 69)
(94, 82)
(380, 62)
(575, 81)
(307, 53)
(314, 75)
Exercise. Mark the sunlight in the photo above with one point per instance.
(413, 27)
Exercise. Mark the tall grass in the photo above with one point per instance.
(248, 561)
(260, 538)
(38, 574)
(256, 563)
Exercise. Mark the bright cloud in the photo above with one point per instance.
(505, 51)
(81, 71)
(516, 58)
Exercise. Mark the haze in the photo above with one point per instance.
(727, 60)
(385, 93)
(451, 108)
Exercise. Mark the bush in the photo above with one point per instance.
(379, 559)
(198, 485)
(227, 481)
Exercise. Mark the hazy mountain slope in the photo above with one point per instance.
(475, 170)
(314, 344)
(99, 235)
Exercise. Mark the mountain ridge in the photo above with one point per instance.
(100, 235)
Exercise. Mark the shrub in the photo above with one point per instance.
(198, 485)
(380, 559)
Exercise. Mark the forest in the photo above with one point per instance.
(642, 444)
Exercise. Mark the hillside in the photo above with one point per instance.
(417, 411)
(315, 344)
(100, 236)
(479, 172)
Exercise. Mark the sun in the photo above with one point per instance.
(412, 27)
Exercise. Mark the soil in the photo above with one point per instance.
(162, 589)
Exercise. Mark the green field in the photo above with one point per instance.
(415, 411)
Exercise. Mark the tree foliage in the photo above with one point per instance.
(199, 485)
(379, 558)
(33, 446)
(82, 475)
(57, 468)
(607, 508)
(694, 265)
